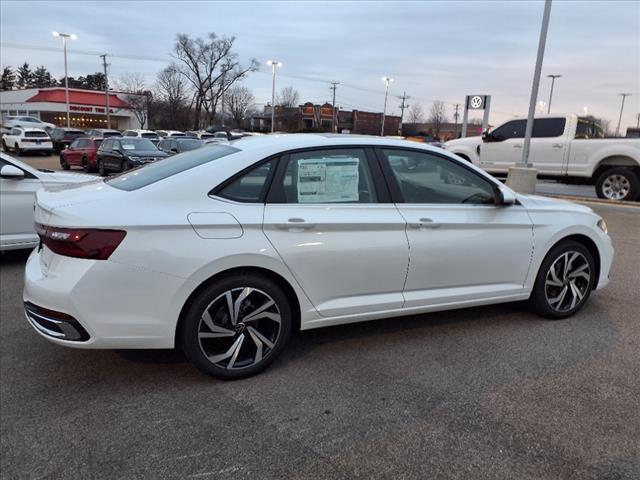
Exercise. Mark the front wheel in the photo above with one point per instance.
(236, 327)
(618, 183)
(5, 147)
(63, 163)
(564, 282)
(101, 170)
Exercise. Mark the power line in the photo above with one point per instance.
(81, 52)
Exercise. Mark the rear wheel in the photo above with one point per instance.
(101, 170)
(63, 163)
(85, 165)
(5, 147)
(236, 327)
(618, 183)
(564, 282)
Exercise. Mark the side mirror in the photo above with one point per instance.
(505, 197)
(9, 171)
(486, 136)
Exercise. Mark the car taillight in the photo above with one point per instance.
(91, 243)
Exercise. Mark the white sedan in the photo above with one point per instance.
(18, 185)
(224, 251)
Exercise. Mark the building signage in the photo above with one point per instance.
(476, 102)
(84, 108)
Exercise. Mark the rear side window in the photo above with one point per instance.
(250, 187)
(548, 127)
(161, 169)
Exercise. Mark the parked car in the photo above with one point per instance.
(564, 147)
(83, 152)
(103, 133)
(216, 141)
(203, 135)
(27, 140)
(26, 122)
(62, 137)
(18, 185)
(224, 251)
(173, 145)
(120, 154)
(148, 134)
(170, 133)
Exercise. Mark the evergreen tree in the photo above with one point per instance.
(42, 78)
(25, 76)
(8, 80)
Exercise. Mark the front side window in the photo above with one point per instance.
(512, 129)
(107, 145)
(249, 187)
(328, 176)
(423, 177)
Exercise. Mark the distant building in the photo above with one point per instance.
(318, 118)
(86, 107)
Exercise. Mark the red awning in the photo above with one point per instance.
(78, 97)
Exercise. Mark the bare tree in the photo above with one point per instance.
(171, 90)
(240, 103)
(138, 95)
(211, 66)
(288, 97)
(437, 116)
(416, 114)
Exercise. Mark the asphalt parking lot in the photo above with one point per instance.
(491, 392)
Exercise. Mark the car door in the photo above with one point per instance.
(502, 148)
(330, 218)
(548, 145)
(16, 207)
(462, 246)
(73, 154)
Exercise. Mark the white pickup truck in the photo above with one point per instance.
(564, 147)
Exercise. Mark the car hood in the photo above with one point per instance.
(536, 202)
(54, 179)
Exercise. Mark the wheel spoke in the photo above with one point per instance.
(229, 298)
(559, 298)
(223, 332)
(258, 310)
(208, 321)
(236, 306)
(554, 277)
(228, 353)
(258, 343)
(234, 357)
(271, 316)
(252, 331)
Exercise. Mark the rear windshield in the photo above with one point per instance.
(98, 141)
(74, 133)
(36, 134)
(111, 134)
(161, 169)
(190, 143)
(149, 135)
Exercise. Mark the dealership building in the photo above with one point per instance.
(87, 108)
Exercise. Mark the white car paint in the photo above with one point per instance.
(17, 198)
(357, 262)
(21, 139)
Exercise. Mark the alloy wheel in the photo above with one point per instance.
(616, 187)
(567, 281)
(239, 328)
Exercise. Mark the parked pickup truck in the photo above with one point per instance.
(564, 147)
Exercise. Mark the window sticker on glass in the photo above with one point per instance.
(128, 146)
(328, 180)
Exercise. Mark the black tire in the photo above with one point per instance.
(123, 166)
(85, 165)
(213, 300)
(539, 300)
(18, 150)
(5, 147)
(63, 163)
(618, 183)
(101, 170)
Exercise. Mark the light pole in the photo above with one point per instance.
(273, 64)
(623, 95)
(64, 36)
(553, 80)
(387, 81)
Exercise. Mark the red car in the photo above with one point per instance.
(82, 153)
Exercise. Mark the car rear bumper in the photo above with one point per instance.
(98, 304)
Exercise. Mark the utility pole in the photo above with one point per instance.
(638, 120)
(334, 126)
(273, 64)
(455, 116)
(553, 80)
(404, 105)
(624, 96)
(106, 89)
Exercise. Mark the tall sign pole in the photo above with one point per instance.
(106, 89)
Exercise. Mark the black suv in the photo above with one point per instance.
(173, 145)
(120, 154)
(62, 137)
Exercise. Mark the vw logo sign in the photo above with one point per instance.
(476, 102)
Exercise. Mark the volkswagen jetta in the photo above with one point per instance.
(224, 251)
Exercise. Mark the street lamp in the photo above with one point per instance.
(273, 64)
(553, 80)
(387, 81)
(623, 95)
(64, 36)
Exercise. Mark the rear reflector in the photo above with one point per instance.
(95, 244)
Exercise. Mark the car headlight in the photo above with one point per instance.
(602, 225)
(134, 158)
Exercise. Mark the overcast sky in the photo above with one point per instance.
(433, 50)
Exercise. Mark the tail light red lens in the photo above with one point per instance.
(95, 244)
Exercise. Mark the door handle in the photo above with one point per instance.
(296, 224)
(558, 145)
(425, 223)
(517, 145)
